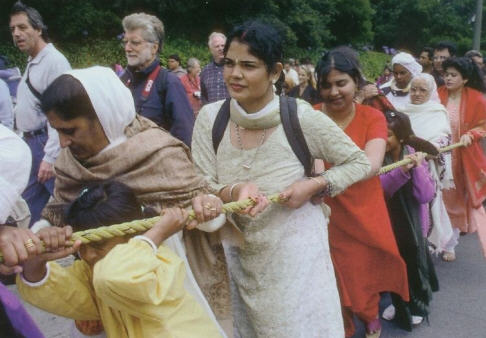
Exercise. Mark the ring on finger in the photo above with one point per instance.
(29, 243)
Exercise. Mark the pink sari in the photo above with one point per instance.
(464, 202)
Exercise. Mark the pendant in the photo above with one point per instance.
(246, 166)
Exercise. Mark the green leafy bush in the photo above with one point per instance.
(107, 52)
(373, 64)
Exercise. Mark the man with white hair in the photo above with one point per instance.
(158, 93)
(213, 87)
(397, 90)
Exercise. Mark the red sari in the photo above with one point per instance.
(464, 202)
(363, 248)
(472, 158)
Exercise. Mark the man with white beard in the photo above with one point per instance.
(158, 94)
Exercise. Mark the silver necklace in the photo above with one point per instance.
(240, 144)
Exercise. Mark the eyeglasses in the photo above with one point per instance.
(440, 58)
(133, 43)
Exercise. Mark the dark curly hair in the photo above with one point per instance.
(469, 70)
(262, 39)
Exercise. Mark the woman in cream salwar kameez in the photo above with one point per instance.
(282, 278)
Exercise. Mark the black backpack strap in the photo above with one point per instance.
(220, 124)
(34, 91)
(167, 119)
(293, 131)
(163, 82)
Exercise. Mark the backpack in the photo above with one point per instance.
(290, 123)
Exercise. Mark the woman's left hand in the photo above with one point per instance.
(300, 192)
(206, 207)
(466, 139)
(416, 158)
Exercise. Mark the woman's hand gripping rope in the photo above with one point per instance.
(138, 226)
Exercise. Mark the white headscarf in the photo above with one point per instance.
(407, 61)
(431, 86)
(15, 163)
(111, 100)
(430, 119)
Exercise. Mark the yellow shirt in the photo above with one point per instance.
(134, 292)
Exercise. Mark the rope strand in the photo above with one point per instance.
(406, 161)
(142, 225)
(137, 226)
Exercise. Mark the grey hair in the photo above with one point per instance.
(151, 26)
(429, 81)
(191, 63)
(472, 53)
(214, 35)
(34, 17)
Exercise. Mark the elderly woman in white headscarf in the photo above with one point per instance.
(397, 90)
(102, 138)
(430, 121)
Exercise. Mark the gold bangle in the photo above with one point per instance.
(231, 190)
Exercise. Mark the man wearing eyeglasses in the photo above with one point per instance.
(45, 64)
(442, 52)
(158, 94)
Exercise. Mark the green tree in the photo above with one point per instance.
(411, 24)
(351, 22)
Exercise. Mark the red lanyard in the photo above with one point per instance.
(149, 84)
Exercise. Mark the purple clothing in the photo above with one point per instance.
(423, 188)
(18, 317)
(213, 87)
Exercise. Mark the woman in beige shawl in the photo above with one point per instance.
(102, 138)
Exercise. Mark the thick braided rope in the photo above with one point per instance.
(142, 225)
(138, 226)
(406, 161)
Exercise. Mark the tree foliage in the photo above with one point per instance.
(411, 24)
(310, 25)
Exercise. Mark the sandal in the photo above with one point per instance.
(373, 329)
(448, 256)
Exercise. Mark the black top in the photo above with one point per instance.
(310, 94)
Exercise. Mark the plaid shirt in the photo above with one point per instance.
(213, 87)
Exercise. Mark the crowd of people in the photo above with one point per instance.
(100, 147)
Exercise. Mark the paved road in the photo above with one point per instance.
(458, 310)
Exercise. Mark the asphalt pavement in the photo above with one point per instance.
(458, 309)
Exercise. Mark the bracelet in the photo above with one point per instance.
(231, 190)
(329, 189)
